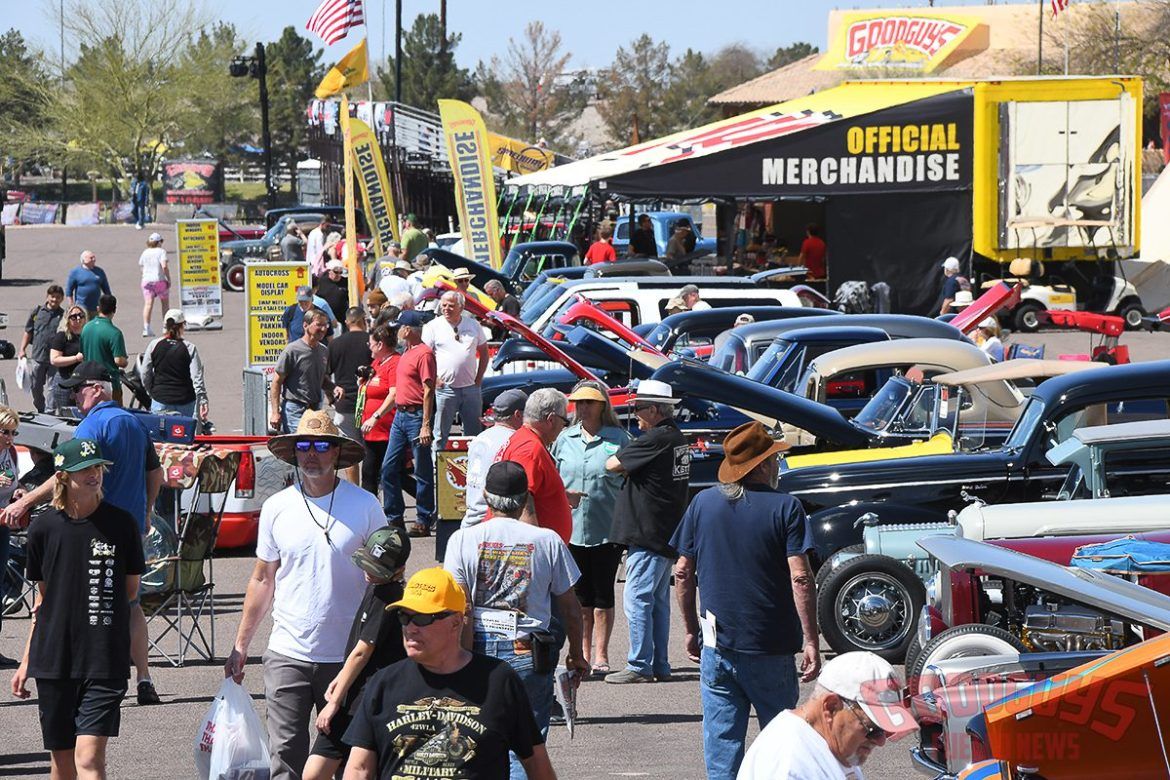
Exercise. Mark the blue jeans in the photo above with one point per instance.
(539, 687)
(404, 432)
(292, 412)
(731, 684)
(138, 213)
(5, 537)
(468, 401)
(647, 604)
(187, 410)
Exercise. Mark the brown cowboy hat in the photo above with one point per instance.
(318, 426)
(745, 448)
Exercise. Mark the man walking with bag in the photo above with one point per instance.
(34, 344)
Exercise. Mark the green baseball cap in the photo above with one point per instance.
(78, 454)
(384, 552)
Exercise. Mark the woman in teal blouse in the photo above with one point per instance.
(581, 452)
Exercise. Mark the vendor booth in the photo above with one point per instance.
(903, 174)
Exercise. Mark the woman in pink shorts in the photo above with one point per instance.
(156, 281)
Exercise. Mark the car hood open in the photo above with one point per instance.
(1102, 591)
(761, 401)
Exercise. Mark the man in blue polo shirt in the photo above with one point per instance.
(131, 483)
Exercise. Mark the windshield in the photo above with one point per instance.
(1029, 419)
(659, 336)
(533, 263)
(535, 306)
(884, 407)
(732, 355)
(767, 362)
(551, 323)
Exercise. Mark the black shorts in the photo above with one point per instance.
(330, 745)
(598, 565)
(73, 708)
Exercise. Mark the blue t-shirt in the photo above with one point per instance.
(950, 287)
(124, 441)
(293, 318)
(740, 552)
(85, 286)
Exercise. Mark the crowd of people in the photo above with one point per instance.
(452, 672)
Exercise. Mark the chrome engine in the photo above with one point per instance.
(1065, 627)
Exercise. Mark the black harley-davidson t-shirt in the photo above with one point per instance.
(83, 626)
(462, 725)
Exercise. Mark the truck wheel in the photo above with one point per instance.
(7, 349)
(870, 602)
(1027, 317)
(913, 650)
(828, 566)
(233, 277)
(969, 641)
(1132, 312)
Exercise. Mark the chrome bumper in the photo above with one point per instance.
(927, 767)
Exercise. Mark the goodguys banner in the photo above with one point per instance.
(468, 149)
(908, 40)
(920, 146)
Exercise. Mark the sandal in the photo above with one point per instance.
(600, 669)
(418, 530)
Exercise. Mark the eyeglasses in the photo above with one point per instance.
(642, 407)
(319, 446)
(8, 431)
(77, 316)
(872, 730)
(560, 417)
(419, 619)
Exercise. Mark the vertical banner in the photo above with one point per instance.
(376, 193)
(350, 254)
(270, 288)
(200, 293)
(1164, 124)
(469, 152)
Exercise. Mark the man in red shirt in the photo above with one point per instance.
(415, 409)
(602, 251)
(545, 416)
(812, 252)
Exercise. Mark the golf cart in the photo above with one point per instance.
(1111, 294)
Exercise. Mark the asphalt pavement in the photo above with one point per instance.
(652, 730)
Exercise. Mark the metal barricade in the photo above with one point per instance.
(255, 402)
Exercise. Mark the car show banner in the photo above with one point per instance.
(269, 289)
(914, 41)
(517, 156)
(193, 181)
(377, 196)
(200, 293)
(469, 151)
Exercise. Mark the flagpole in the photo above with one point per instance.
(369, 71)
(1040, 40)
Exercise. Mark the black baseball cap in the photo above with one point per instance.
(87, 371)
(506, 478)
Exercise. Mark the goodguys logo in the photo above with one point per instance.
(899, 39)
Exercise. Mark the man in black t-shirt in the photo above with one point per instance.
(657, 466)
(443, 711)
(642, 241)
(347, 353)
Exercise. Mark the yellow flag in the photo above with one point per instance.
(353, 69)
(469, 151)
(517, 156)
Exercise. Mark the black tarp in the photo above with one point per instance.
(901, 241)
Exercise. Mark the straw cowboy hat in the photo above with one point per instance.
(317, 426)
(746, 447)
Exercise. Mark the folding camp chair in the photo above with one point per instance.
(16, 589)
(178, 591)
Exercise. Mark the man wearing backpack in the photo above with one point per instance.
(34, 345)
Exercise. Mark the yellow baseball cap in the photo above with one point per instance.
(431, 591)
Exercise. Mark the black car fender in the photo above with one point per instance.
(834, 528)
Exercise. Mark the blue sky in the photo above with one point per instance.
(591, 31)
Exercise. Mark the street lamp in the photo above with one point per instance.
(255, 67)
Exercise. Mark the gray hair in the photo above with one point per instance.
(508, 506)
(492, 285)
(452, 295)
(88, 253)
(403, 301)
(732, 491)
(688, 289)
(544, 402)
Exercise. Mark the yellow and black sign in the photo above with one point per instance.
(270, 289)
(376, 193)
(518, 156)
(469, 150)
(200, 294)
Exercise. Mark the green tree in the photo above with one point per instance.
(22, 84)
(786, 55)
(692, 82)
(226, 109)
(734, 64)
(633, 91)
(529, 90)
(429, 70)
(294, 70)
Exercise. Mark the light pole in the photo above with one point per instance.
(256, 67)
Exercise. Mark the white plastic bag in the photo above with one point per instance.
(231, 741)
(23, 375)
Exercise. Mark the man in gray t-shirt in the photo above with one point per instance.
(292, 246)
(301, 375)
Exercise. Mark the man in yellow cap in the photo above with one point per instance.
(444, 711)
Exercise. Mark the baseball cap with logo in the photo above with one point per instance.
(431, 591)
(384, 552)
(869, 680)
(78, 454)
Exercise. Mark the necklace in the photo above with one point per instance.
(329, 519)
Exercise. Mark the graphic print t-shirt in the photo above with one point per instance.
(654, 496)
(83, 627)
(373, 624)
(462, 725)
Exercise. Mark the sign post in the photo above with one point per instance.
(200, 292)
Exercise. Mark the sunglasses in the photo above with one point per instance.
(8, 431)
(560, 417)
(319, 446)
(872, 730)
(77, 316)
(421, 620)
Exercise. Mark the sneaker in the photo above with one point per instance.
(138, 227)
(663, 677)
(627, 676)
(418, 530)
(147, 694)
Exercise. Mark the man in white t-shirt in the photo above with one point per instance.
(304, 573)
(508, 410)
(393, 279)
(461, 357)
(513, 572)
(855, 708)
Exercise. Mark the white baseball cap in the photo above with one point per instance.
(335, 265)
(154, 237)
(869, 680)
(951, 264)
(655, 391)
(175, 315)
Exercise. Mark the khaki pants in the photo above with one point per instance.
(292, 689)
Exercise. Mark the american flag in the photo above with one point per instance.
(1058, 6)
(333, 18)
